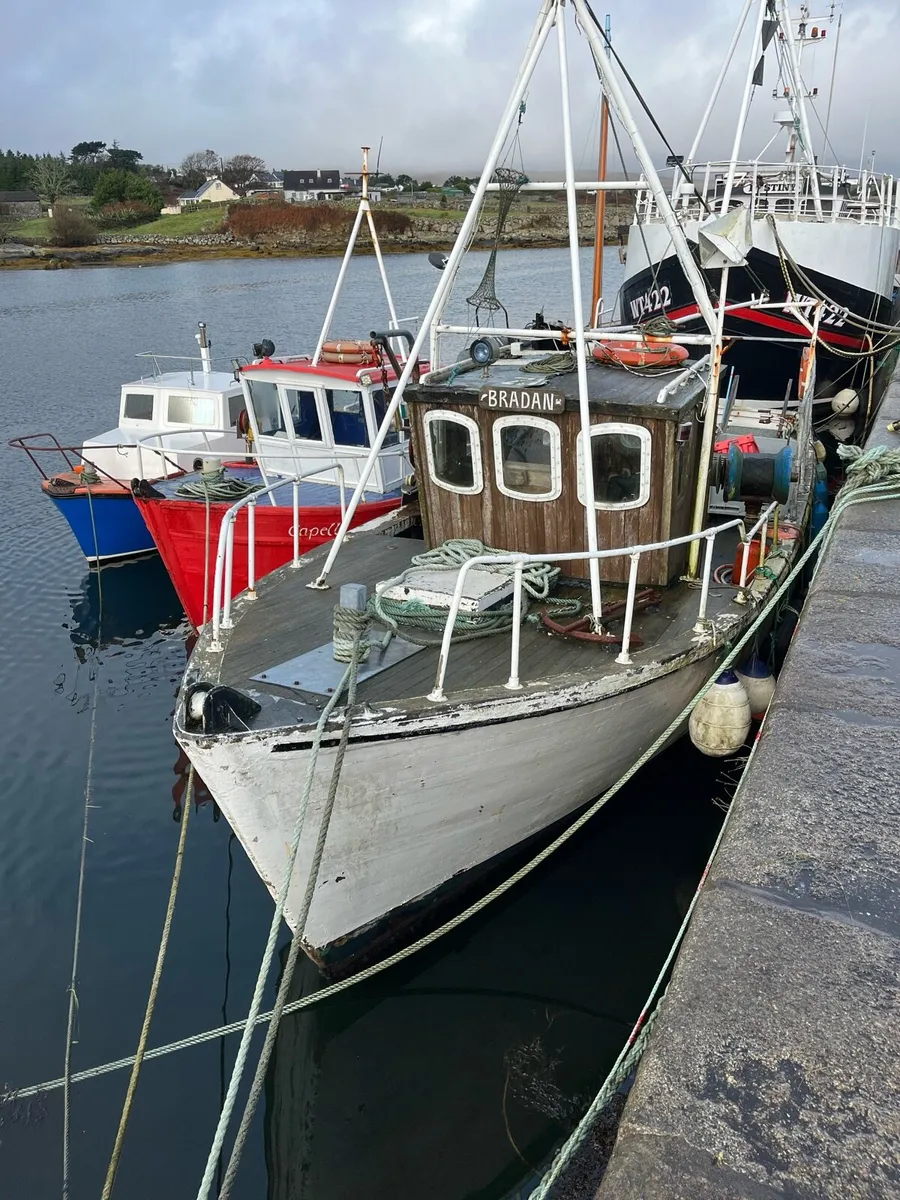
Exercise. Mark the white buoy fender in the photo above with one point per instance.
(759, 684)
(843, 428)
(720, 722)
(845, 402)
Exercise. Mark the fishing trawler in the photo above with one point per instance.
(193, 409)
(309, 422)
(496, 690)
(803, 238)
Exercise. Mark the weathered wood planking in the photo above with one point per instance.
(558, 526)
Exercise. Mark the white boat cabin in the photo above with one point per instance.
(192, 412)
(303, 414)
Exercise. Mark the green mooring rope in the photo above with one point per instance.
(885, 489)
(401, 616)
(215, 485)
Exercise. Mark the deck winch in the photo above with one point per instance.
(754, 476)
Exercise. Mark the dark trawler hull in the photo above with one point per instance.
(859, 286)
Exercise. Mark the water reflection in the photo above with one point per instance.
(123, 603)
(457, 1074)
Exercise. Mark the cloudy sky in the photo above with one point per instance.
(304, 82)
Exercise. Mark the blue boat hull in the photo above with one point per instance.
(106, 526)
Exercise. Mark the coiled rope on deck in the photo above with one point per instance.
(400, 616)
(214, 484)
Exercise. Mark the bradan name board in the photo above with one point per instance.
(525, 400)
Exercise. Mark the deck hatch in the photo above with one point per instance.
(318, 674)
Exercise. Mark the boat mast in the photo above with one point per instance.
(798, 97)
(613, 90)
(704, 120)
(539, 36)
(749, 84)
(587, 457)
(837, 42)
(599, 237)
(364, 210)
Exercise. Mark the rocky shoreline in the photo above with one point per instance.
(527, 230)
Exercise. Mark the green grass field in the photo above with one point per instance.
(184, 224)
(175, 225)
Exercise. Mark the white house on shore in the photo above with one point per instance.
(312, 185)
(214, 191)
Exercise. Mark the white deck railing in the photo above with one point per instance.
(519, 561)
(875, 199)
(223, 582)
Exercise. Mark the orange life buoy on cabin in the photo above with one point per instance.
(351, 352)
(648, 353)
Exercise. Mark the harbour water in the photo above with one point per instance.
(450, 1077)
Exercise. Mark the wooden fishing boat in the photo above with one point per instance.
(501, 689)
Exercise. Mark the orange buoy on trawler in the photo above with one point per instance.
(647, 353)
(349, 352)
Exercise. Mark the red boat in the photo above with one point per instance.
(313, 422)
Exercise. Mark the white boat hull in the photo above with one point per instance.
(415, 814)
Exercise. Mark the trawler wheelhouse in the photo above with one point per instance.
(502, 459)
(303, 413)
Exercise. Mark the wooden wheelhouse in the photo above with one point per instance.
(500, 457)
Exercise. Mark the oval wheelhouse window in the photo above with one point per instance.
(454, 455)
(620, 460)
(527, 458)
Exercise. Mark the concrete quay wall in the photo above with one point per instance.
(774, 1069)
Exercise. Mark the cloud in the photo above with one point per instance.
(304, 84)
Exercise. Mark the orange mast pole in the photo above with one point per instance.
(597, 290)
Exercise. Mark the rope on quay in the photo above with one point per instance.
(151, 999)
(887, 489)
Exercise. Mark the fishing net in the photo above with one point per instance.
(485, 295)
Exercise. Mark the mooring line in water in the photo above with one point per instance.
(154, 989)
(867, 481)
(254, 1018)
(76, 941)
(79, 903)
(886, 490)
(287, 975)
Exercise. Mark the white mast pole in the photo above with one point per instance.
(394, 323)
(837, 42)
(532, 53)
(755, 52)
(542, 29)
(590, 509)
(614, 91)
(363, 210)
(332, 304)
(800, 98)
(748, 4)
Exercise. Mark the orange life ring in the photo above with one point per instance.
(648, 353)
(362, 353)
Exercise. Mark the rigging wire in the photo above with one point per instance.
(643, 103)
(72, 1014)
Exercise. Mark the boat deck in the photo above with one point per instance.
(290, 619)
